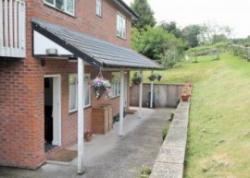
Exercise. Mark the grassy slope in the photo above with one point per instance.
(219, 134)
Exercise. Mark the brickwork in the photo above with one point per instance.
(22, 84)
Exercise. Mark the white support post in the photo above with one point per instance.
(151, 94)
(121, 120)
(6, 29)
(1, 27)
(140, 95)
(80, 116)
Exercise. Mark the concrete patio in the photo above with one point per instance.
(111, 156)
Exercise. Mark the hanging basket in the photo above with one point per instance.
(137, 79)
(101, 86)
(154, 77)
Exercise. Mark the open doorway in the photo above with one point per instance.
(52, 111)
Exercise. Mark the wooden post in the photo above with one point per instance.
(121, 104)
(140, 95)
(151, 94)
(80, 116)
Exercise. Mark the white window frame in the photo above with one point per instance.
(65, 7)
(116, 84)
(90, 94)
(98, 9)
(121, 33)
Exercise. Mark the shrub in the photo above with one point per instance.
(164, 133)
(145, 172)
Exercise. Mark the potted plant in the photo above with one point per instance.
(88, 136)
(137, 79)
(101, 86)
(186, 92)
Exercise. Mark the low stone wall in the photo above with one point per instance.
(170, 160)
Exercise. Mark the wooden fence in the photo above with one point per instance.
(165, 95)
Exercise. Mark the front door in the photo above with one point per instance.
(52, 111)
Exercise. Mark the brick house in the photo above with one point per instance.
(50, 50)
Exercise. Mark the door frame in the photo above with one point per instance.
(57, 107)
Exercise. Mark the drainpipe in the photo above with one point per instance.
(121, 104)
(80, 117)
(151, 94)
(140, 95)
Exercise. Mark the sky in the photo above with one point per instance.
(233, 13)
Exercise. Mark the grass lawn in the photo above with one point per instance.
(219, 130)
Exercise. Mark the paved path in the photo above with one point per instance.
(137, 148)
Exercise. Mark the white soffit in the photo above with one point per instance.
(42, 43)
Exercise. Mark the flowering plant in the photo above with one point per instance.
(101, 86)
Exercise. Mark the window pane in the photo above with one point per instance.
(60, 4)
(99, 7)
(87, 91)
(70, 6)
(50, 1)
(72, 92)
(121, 26)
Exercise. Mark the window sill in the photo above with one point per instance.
(122, 38)
(99, 16)
(75, 110)
(114, 97)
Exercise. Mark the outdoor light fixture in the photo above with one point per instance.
(51, 52)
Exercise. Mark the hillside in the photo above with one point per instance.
(219, 130)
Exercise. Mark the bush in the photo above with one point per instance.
(145, 172)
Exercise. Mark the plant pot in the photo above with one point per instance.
(185, 98)
(88, 136)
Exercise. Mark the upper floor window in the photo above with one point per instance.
(99, 8)
(121, 26)
(67, 6)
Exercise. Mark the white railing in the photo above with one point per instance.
(12, 28)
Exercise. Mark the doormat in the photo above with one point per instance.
(63, 155)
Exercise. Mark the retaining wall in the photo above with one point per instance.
(170, 160)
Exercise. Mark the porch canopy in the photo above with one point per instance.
(93, 51)
(90, 50)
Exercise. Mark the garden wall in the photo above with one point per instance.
(170, 160)
(166, 95)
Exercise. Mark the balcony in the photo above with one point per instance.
(12, 28)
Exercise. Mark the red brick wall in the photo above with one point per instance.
(22, 84)
(69, 120)
(85, 19)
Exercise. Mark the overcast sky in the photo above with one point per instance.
(235, 13)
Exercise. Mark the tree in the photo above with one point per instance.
(145, 13)
(219, 38)
(172, 28)
(158, 44)
(213, 33)
(191, 34)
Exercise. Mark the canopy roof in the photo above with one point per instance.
(94, 51)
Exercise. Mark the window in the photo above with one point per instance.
(121, 26)
(67, 6)
(115, 84)
(99, 8)
(73, 92)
